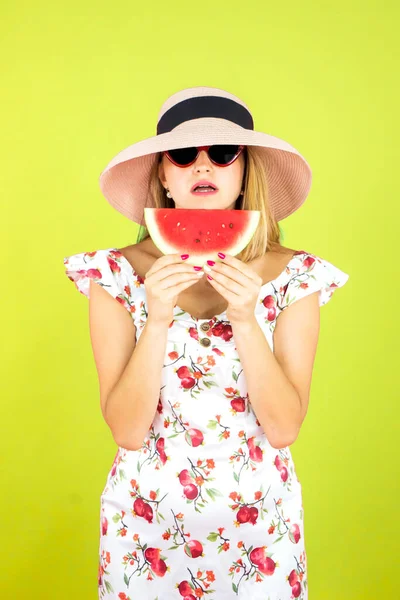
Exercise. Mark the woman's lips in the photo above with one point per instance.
(203, 183)
(204, 193)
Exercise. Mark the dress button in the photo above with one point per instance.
(205, 341)
(204, 327)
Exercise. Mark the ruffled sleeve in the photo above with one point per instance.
(308, 273)
(106, 267)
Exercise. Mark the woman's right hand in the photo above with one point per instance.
(168, 276)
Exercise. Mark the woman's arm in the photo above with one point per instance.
(132, 403)
(129, 373)
(279, 382)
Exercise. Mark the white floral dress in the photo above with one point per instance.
(206, 508)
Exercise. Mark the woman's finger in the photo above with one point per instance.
(230, 264)
(227, 282)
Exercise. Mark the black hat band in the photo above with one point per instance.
(205, 106)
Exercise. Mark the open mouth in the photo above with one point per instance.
(204, 189)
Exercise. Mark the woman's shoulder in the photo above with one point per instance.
(141, 255)
(274, 262)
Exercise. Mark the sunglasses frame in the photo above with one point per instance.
(206, 148)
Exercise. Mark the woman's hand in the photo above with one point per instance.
(238, 284)
(168, 276)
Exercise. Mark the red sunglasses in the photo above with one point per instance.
(221, 155)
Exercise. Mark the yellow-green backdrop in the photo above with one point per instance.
(82, 80)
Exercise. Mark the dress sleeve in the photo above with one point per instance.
(309, 274)
(107, 268)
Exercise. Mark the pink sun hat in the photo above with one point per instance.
(202, 116)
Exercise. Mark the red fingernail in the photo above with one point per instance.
(184, 256)
(198, 268)
(211, 263)
(221, 255)
(209, 276)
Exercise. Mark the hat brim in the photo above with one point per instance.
(124, 181)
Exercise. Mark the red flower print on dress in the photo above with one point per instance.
(223, 542)
(281, 525)
(285, 468)
(195, 481)
(224, 430)
(248, 512)
(248, 457)
(297, 577)
(187, 381)
(258, 562)
(152, 451)
(194, 334)
(192, 548)
(198, 586)
(142, 507)
(194, 437)
(104, 525)
(253, 562)
(95, 274)
(269, 303)
(223, 330)
(263, 561)
(114, 468)
(114, 261)
(144, 560)
(104, 586)
(255, 452)
(300, 281)
(239, 404)
(218, 352)
(194, 379)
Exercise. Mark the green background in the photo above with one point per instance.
(82, 80)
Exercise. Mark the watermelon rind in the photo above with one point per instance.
(250, 222)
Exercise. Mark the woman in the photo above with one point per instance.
(204, 373)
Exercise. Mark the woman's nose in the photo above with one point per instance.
(202, 159)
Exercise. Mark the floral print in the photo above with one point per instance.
(206, 508)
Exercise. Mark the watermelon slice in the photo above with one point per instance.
(201, 232)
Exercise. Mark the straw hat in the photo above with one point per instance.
(201, 116)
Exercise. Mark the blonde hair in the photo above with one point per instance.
(255, 197)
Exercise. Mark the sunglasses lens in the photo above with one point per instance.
(223, 154)
(183, 156)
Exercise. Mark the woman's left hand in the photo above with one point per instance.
(238, 284)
